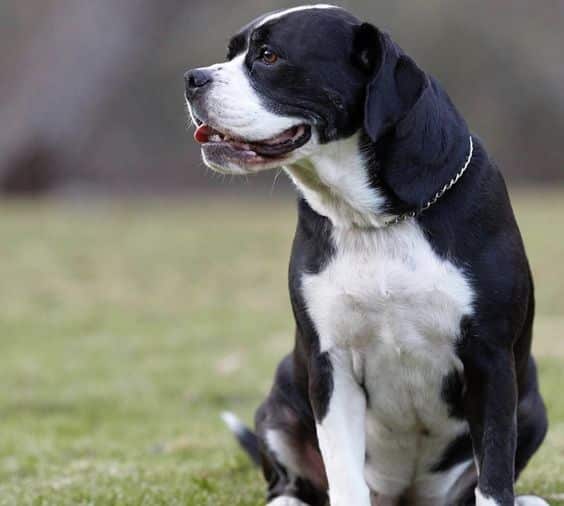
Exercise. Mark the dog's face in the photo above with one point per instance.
(293, 81)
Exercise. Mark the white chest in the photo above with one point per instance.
(389, 298)
(387, 286)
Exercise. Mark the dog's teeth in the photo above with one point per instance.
(299, 132)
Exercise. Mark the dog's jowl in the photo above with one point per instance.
(411, 380)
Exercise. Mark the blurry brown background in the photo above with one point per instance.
(91, 91)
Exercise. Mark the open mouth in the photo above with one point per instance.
(215, 142)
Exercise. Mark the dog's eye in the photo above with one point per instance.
(268, 56)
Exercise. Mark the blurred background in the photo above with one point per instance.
(141, 294)
(91, 93)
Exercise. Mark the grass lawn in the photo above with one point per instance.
(126, 329)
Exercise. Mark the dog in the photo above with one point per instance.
(411, 380)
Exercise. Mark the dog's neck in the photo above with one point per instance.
(336, 184)
(358, 183)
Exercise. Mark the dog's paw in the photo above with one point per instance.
(286, 501)
(530, 500)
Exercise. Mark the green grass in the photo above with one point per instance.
(125, 330)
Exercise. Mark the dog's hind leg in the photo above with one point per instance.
(285, 444)
(291, 460)
(285, 465)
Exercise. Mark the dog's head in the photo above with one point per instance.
(293, 81)
(298, 81)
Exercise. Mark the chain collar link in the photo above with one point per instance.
(438, 195)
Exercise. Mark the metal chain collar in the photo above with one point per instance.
(438, 195)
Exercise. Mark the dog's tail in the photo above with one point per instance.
(246, 438)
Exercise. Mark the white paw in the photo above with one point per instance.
(482, 500)
(286, 501)
(530, 500)
(522, 500)
(350, 499)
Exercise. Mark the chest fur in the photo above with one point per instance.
(387, 286)
(390, 299)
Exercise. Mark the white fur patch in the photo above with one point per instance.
(281, 14)
(482, 500)
(286, 501)
(522, 500)
(278, 444)
(395, 306)
(341, 437)
(334, 181)
(235, 107)
(234, 424)
(530, 500)
(388, 288)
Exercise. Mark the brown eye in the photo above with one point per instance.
(269, 57)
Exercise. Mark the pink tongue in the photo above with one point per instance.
(202, 134)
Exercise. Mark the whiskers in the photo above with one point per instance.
(275, 180)
(190, 119)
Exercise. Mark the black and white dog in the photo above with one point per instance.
(411, 380)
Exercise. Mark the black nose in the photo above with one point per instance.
(196, 79)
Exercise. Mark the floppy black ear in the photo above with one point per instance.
(396, 82)
(368, 50)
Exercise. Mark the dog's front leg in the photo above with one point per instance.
(339, 406)
(490, 405)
